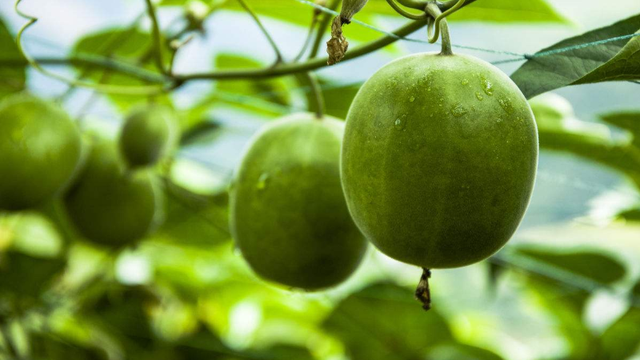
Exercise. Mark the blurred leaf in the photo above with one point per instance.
(612, 61)
(559, 130)
(630, 215)
(629, 121)
(591, 265)
(566, 305)
(127, 45)
(622, 339)
(32, 254)
(462, 352)
(338, 97)
(509, 11)
(383, 321)
(272, 92)
(193, 219)
(12, 78)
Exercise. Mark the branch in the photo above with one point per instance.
(287, 69)
(157, 41)
(255, 17)
(96, 62)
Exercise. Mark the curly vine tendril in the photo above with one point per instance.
(433, 28)
(102, 88)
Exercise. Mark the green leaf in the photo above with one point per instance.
(509, 11)
(193, 219)
(566, 306)
(126, 45)
(383, 321)
(12, 78)
(560, 130)
(622, 339)
(584, 64)
(270, 97)
(338, 98)
(596, 267)
(629, 120)
(462, 352)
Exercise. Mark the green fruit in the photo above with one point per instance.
(288, 214)
(39, 151)
(147, 135)
(439, 159)
(109, 205)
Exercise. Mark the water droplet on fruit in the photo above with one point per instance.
(263, 181)
(400, 123)
(506, 105)
(464, 82)
(458, 110)
(479, 96)
(412, 99)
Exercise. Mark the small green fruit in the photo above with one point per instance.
(39, 151)
(439, 159)
(288, 213)
(148, 134)
(109, 205)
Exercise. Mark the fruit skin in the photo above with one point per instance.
(109, 205)
(40, 150)
(147, 135)
(439, 159)
(288, 214)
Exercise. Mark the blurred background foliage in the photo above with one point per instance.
(566, 287)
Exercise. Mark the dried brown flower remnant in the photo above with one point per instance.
(338, 45)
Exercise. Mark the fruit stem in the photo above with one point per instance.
(316, 98)
(423, 293)
(438, 24)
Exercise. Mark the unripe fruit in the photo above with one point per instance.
(110, 206)
(148, 134)
(288, 213)
(39, 151)
(439, 159)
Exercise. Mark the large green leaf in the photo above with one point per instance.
(595, 267)
(509, 11)
(12, 78)
(383, 321)
(616, 60)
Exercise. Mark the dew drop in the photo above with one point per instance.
(479, 96)
(263, 181)
(464, 82)
(458, 110)
(412, 99)
(506, 105)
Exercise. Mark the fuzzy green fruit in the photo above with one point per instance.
(288, 213)
(109, 205)
(147, 135)
(39, 151)
(439, 159)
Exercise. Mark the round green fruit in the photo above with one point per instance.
(39, 151)
(109, 205)
(439, 159)
(288, 213)
(147, 135)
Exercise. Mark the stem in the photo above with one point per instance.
(157, 41)
(324, 25)
(414, 4)
(287, 69)
(315, 98)
(423, 292)
(273, 44)
(307, 41)
(440, 25)
(404, 13)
